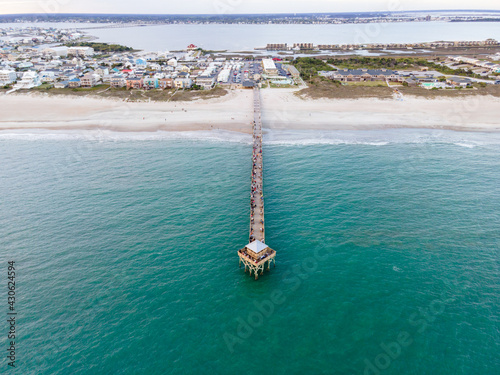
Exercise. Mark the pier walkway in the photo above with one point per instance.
(256, 254)
(257, 227)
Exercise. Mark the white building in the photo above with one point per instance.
(7, 77)
(206, 82)
(30, 79)
(47, 76)
(269, 66)
(81, 51)
(172, 62)
(224, 75)
(57, 51)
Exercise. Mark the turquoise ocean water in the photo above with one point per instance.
(388, 254)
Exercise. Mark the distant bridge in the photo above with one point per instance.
(118, 26)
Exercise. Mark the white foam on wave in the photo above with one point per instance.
(112, 136)
(466, 145)
(271, 137)
(379, 137)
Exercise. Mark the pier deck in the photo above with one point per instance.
(257, 254)
(257, 223)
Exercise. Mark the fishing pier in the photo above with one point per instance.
(256, 255)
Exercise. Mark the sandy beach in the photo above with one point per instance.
(233, 112)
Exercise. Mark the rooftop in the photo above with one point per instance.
(256, 246)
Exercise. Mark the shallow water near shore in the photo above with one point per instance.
(126, 254)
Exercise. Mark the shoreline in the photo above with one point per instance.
(281, 110)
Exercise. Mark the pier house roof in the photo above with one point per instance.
(256, 246)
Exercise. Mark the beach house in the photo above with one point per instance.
(166, 83)
(141, 63)
(134, 83)
(118, 81)
(74, 83)
(150, 83)
(61, 85)
(30, 79)
(183, 82)
(88, 80)
(459, 82)
(206, 82)
(48, 76)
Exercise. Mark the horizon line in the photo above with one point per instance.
(251, 14)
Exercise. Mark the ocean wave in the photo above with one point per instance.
(112, 136)
(466, 145)
(380, 137)
(376, 138)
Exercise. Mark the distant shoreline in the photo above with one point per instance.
(224, 16)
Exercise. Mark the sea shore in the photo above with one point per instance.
(281, 109)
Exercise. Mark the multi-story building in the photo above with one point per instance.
(150, 83)
(88, 80)
(304, 46)
(206, 82)
(134, 83)
(183, 82)
(7, 77)
(74, 83)
(277, 47)
(30, 79)
(363, 75)
(118, 81)
(166, 83)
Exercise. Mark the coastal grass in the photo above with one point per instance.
(187, 95)
(44, 86)
(477, 90)
(104, 91)
(320, 87)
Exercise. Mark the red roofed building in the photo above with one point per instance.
(191, 47)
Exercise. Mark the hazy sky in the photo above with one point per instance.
(233, 6)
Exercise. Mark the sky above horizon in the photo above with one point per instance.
(234, 6)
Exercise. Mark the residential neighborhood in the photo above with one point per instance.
(36, 57)
(482, 71)
(30, 65)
